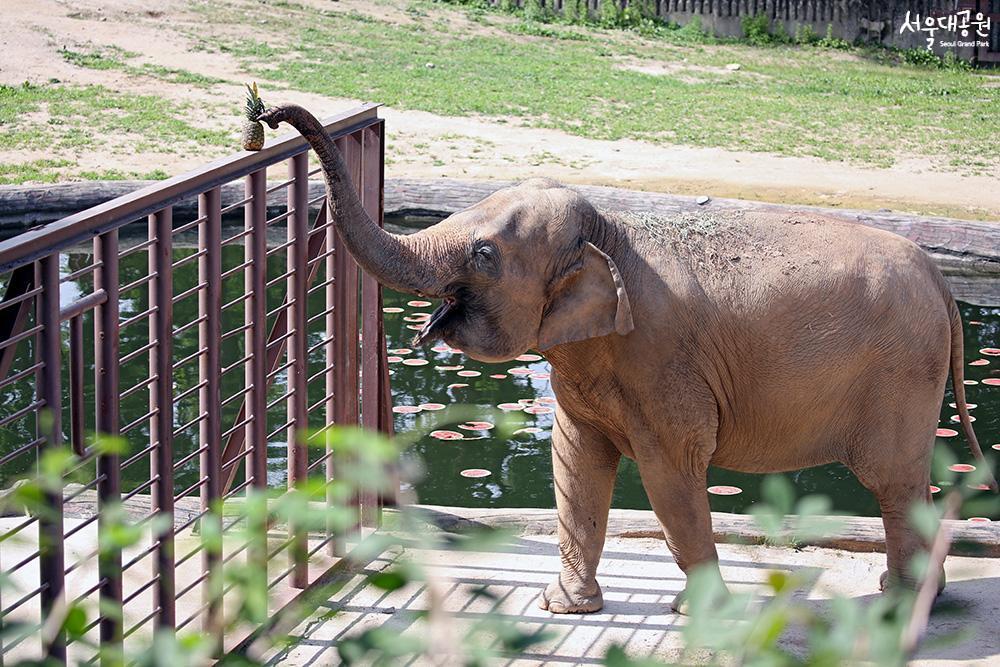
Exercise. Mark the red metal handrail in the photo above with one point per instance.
(34, 309)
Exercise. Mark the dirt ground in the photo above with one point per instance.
(425, 145)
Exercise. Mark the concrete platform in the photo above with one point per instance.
(639, 579)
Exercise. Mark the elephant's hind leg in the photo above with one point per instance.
(584, 466)
(896, 469)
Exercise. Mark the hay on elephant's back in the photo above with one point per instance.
(679, 225)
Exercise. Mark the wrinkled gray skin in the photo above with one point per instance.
(758, 342)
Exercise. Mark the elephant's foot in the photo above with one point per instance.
(680, 604)
(888, 583)
(560, 598)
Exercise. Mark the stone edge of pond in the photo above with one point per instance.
(961, 246)
(864, 534)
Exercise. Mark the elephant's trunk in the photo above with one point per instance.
(403, 263)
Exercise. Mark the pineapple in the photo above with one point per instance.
(253, 131)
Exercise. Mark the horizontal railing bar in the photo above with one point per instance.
(278, 186)
(229, 399)
(132, 424)
(191, 357)
(320, 229)
(235, 205)
(139, 591)
(279, 279)
(187, 392)
(81, 272)
(284, 306)
(122, 254)
(199, 483)
(278, 248)
(80, 526)
(142, 554)
(188, 292)
(87, 593)
(236, 237)
(187, 259)
(146, 619)
(139, 282)
(316, 200)
(320, 402)
(283, 397)
(139, 489)
(17, 529)
(82, 305)
(235, 331)
(236, 489)
(280, 217)
(321, 257)
(324, 341)
(139, 386)
(194, 552)
(137, 318)
(20, 375)
(187, 589)
(280, 368)
(189, 225)
(281, 428)
(138, 455)
(323, 459)
(236, 364)
(321, 315)
(83, 489)
(84, 225)
(13, 301)
(24, 599)
(26, 410)
(135, 354)
(236, 552)
(236, 269)
(86, 558)
(187, 524)
(190, 423)
(14, 340)
(193, 323)
(240, 299)
(21, 563)
(190, 456)
(323, 371)
(237, 427)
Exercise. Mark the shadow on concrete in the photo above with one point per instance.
(639, 580)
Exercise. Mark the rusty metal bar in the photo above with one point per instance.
(254, 405)
(161, 428)
(298, 454)
(209, 397)
(76, 409)
(346, 277)
(332, 241)
(106, 370)
(14, 311)
(371, 309)
(51, 557)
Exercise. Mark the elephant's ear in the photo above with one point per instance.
(589, 301)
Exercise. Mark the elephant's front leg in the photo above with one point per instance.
(584, 464)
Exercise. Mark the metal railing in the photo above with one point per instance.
(202, 356)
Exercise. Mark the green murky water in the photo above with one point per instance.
(518, 467)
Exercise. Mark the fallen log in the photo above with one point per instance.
(960, 247)
(858, 533)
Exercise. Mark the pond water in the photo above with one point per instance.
(482, 468)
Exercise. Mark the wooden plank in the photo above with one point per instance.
(855, 534)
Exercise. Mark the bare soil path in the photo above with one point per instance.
(426, 145)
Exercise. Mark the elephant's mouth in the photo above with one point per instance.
(433, 326)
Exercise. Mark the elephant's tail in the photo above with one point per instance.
(958, 382)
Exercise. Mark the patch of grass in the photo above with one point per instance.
(112, 57)
(785, 99)
(36, 171)
(60, 119)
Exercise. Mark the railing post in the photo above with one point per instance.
(371, 309)
(255, 317)
(106, 359)
(346, 330)
(210, 398)
(298, 250)
(161, 399)
(51, 558)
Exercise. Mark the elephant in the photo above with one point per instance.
(753, 341)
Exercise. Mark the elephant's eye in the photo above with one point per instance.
(486, 256)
